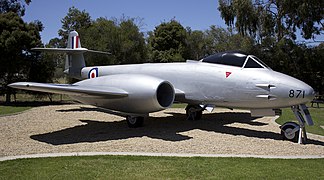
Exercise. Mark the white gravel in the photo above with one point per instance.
(81, 128)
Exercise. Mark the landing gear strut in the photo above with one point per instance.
(297, 132)
(194, 112)
(135, 121)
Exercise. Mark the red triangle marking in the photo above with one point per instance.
(228, 73)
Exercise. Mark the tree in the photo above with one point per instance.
(15, 6)
(220, 39)
(133, 47)
(242, 12)
(196, 44)
(168, 42)
(74, 20)
(56, 59)
(264, 18)
(121, 38)
(16, 39)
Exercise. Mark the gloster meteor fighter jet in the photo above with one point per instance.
(229, 79)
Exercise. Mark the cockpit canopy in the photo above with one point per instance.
(237, 59)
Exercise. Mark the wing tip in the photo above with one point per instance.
(19, 84)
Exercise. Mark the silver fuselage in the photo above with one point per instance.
(221, 85)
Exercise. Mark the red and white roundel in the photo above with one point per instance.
(93, 73)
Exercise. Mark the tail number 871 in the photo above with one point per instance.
(296, 93)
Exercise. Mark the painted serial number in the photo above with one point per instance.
(296, 93)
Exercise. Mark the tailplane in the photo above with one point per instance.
(74, 61)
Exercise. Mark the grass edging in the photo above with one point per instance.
(16, 111)
(144, 167)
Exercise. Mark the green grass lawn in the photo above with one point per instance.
(317, 116)
(142, 167)
(179, 105)
(5, 110)
(27, 101)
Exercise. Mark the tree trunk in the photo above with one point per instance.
(8, 97)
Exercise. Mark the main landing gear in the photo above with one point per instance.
(134, 121)
(194, 112)
(297, 132)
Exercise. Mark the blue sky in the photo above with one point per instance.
(199, 15)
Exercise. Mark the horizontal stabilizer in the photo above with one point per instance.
(74, 90)
(69, 50)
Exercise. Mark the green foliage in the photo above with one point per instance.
(168, 42)
(121, 37)
(74, 20)
(242, 12)
(141, 167)
(197, 44)
(220, 39)
(305, 15)
(264, 18)
(15, 6)
(16, 39)
(133, 47)
(56, 60)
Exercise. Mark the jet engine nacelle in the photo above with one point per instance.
(144, 94)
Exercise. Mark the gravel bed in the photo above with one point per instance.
(82, 128)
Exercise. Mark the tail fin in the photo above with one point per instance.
(74, 61)
(73, 40)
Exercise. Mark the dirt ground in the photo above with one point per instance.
(81, 128)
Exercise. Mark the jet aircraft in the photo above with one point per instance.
(228, 79)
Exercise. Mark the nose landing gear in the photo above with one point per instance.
(297, 132)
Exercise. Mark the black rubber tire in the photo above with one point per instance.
(134, 122)
(195, 115)
(289, 127)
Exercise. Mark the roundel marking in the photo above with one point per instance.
(93, 73)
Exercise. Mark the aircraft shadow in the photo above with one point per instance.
(165, 128)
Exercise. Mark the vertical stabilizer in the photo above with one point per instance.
(73, 40)
(74, 61)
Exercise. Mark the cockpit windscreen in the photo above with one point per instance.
(236, 59)
(231, 59)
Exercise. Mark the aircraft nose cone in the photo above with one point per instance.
(294, 91)
(309, 92)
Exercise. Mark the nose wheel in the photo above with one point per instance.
(290, 131)
(297, 132)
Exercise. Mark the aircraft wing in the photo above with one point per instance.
(76, 90)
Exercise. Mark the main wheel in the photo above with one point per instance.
(289, 132)
(134, 122)
(194, 112)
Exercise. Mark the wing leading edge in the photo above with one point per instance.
(73, 90)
